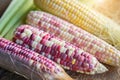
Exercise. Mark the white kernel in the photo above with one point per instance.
(58, 61)
(81, 71)
(66, 67)
(94, 61)
(38, 39)
(28, 32)
(42, 35)
(38, 65)
(33, 49)
(71, 48)
(101, 50)
(23, 35)
(70, 53)
(53, 40)
(40, 47)
(71, 37)
(63, 49)
(48, 25)
(92, 72)
(39, 32)
(49, 56)
(31, 62)
(43, 23)
(43, 53)
(62, 43)
(19, 41)
(36, 54)
(64, 28)
(34, 44)
(49, 44)
(36, 21)
(26, 46)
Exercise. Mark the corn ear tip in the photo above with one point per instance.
(100, 68)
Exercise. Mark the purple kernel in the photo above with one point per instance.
(71, 67)
(48, 50)
(61, 62)
(52, 58)
(43, 41)
(21, 57)
(65, 63)
(46, 37)
(74, 68)
(90, 66)
(67, 51)
(58, 48)
(86, 65)
(76, 62)
(52, 52)
(43, 48)
(80, 64)
(17, 34)
(76, 56)
(55, 59)
(70, 59)
(68, 64)
(53, 46)
(63, 56)
(32, 37)
(26, 40)
(20, 30)
(46, 55)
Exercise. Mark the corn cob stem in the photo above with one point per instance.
(25, 62)
(65, 54)
(84, 17)
(74, 35)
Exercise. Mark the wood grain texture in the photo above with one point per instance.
(112, 74)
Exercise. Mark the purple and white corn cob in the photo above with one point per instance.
(28, 63)
(65, 54)
(74, 35)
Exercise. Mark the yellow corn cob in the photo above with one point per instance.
(84, 17)
(74, 35)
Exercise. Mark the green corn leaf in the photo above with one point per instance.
(22, 11)
(13, 8)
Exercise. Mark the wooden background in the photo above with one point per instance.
(111, 10)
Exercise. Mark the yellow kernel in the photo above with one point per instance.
(111, 50)
(109, 61)
(73, 61)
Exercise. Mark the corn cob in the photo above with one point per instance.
(84, 17)
(74, 35)
(28, 63)
(65, 54)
